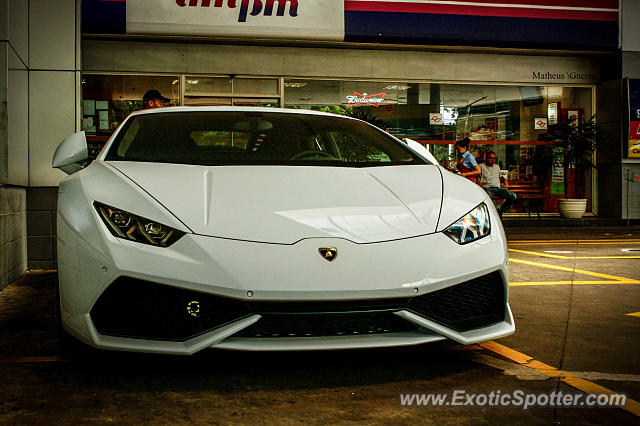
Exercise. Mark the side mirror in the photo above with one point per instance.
(71, 154)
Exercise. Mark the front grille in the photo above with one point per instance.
(462, 307)
(329, 306)
(142, 309)
(324, 324)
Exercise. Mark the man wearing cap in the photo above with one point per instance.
(153, 99)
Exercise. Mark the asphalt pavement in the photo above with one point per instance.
(575, 295)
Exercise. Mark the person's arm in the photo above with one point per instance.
(501, 179)
(475, 172)
(471, 164)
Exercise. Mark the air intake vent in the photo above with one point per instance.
(140, 309)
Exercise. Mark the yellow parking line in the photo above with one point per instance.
(569, 242)
(557, 256)
(611, 279)
(526, 283)
(636, 240)
(553, 256)
(579, 271)
(604, 257)
(33, 359)
(634, 314)
(572, 380)
(586, 239)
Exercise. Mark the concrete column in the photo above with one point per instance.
(39, 98)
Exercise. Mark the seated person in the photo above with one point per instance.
(490, 180)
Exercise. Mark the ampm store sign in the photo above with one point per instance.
(553, 24)
(246, 7)
(265, 19)
(299, 19)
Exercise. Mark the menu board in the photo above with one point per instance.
(552, 113)
(95, 116)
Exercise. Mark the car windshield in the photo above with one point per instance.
(256, 138)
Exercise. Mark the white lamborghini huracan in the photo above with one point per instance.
(272, 229)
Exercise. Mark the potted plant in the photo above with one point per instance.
(580, 141)
(363, 114)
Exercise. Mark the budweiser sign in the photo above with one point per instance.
(364, 99)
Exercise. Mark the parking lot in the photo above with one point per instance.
(575, 295)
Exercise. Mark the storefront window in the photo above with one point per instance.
(515, 122)
(201, 86)
(256, 86)
(226, 91)
(398, 107)
(108, 99)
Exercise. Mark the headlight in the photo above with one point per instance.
(471, 227)
(125, 225)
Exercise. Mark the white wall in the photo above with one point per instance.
(51, 119)
(13, 157)
(629, 28)
(4, 20)
(630, 38)
(18, 27)
(52, 34)
(39, 80)
(139, 56)
(4, 138)
(18, 122)
(53, 83)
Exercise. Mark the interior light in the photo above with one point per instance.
(396, 87)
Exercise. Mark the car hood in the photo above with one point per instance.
(285, 204)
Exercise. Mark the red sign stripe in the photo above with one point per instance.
(453, 9)
(566, 4)
(605, 4)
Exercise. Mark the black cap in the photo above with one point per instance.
(152, 95)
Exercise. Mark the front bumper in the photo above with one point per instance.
(145, 310)
(166, 317)
(265, 296)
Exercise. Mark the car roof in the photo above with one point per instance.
(236, 109)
